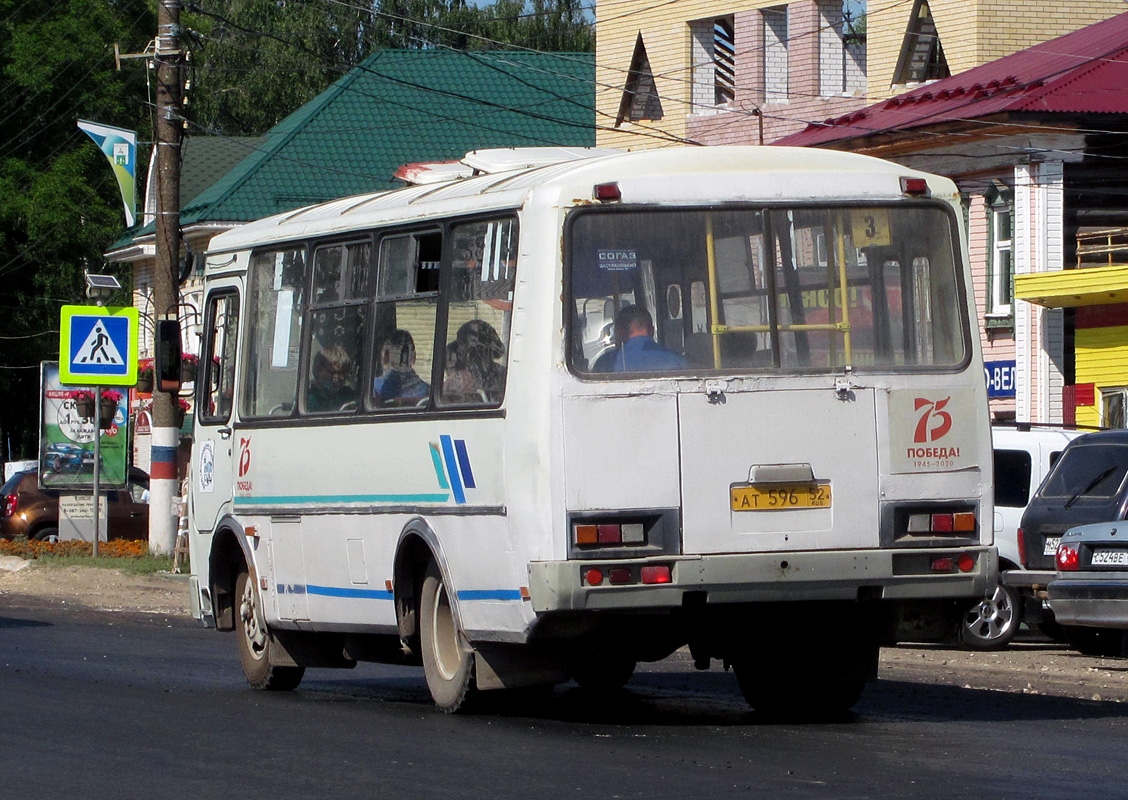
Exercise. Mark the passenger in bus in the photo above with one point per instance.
(332, 387)
(398, 384)
(472, 372)
(637, 350)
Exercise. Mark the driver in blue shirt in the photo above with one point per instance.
(637, 351)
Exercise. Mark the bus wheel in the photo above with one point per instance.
(448, 663)
(253, 643)
(607, 674)
(791, 696)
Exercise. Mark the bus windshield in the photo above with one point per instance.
(797, 289)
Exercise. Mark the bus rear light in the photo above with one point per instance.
(942, 564)
(966, 562)
(586, 534)
(634, 533)
(656, 574)
(914, 187)
(607, 192)
(593, 577)
(620, 575)
(945, 523)
(1068, 559)
(608, 533)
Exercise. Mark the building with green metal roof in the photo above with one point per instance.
(396, 107)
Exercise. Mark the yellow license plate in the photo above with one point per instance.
(780, 496)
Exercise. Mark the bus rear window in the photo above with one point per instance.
(802, 289)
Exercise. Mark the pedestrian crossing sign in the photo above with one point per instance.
(98, 346)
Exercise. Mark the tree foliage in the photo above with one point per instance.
(255, 61)
(59, 202)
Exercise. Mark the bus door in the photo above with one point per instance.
(215, 446)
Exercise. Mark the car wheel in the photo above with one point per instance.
(253, 643)
(46, 535)
(991, 623)
(1101, 642)
(448, 663)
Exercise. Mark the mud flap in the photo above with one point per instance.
(499, 666)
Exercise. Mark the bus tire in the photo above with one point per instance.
(789, 697)
(602, 675)
(253, 642)
(448, 663)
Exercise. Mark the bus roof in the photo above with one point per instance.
(672, 176)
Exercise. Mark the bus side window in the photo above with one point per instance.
(277, 304)
(217, 382)
(341, 289)
(479, 311)
(404, 331)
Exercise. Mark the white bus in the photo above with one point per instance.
(546, 423)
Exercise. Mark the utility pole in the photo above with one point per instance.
(164, 485)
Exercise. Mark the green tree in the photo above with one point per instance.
(59, 202)
(255, 61)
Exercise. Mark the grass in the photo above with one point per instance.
(135, 565)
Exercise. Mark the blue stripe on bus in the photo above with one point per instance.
(489, 594)
(464, 463)
(452, 469)
(437, 460)
(341, 498)
(384, 594)
(362, 594)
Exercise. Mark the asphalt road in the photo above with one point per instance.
(116, 705)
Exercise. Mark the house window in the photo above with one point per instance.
(713, 49)
(775, 53)
(842, 47)
(1001, 268)
(1113, 407)
(640, 95)
(922, 57)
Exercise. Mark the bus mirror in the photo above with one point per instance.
(166, 360)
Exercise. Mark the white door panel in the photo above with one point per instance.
(721, 443)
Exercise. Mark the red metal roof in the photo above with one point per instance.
(1082, 72)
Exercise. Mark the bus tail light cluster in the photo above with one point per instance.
(608, 533)
(943, 524)
(1068, 558)
(627, 575)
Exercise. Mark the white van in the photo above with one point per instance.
(1024, 453)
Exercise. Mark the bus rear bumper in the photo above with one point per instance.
(763, 577)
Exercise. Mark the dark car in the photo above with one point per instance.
(1089, 596)
(1087, 484)
(33, 512)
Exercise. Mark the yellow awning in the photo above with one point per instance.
(1069, 288)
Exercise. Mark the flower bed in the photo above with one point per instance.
(118, 548)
